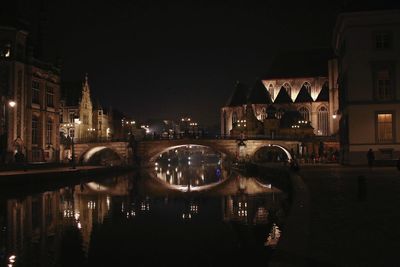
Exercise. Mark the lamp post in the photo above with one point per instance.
(69, 126)
(7, 104)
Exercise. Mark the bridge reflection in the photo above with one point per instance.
(108, 213)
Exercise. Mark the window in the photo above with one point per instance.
(383, 87)
(71, 117)
(234, 119)
(100, 126)
(49, 131)
(384, 127)
(5, 51)
(35, 131)
(271, 91)
(288, 88)
(263, 114)
(35, 92)
(305, 114)
(99, 112)
(322, 121)
(383, 40)
(50, 96)
(307, 85)
(280, 113)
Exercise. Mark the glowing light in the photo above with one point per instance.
(334, 116)
(79, 225)
(12, 103)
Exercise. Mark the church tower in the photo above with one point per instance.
(85, 112)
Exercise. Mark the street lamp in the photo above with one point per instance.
(72, 126)
(11, 105)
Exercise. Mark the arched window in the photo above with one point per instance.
(271, 91)
(234, 119)
(35, 130)
(322, 121)
(288, 88)
(49, 131)
(280, 113)
(263, 114)
(307, 85)
(305, 113)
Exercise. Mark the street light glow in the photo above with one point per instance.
(12, 103)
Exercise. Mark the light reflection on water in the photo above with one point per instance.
(118, 221)
(189, 166)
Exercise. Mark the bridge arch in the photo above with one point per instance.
(270, 152)
(167, 149)
(101, 155)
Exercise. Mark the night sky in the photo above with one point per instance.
(166, 60)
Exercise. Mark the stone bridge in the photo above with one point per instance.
(148, 150)
(84, 151)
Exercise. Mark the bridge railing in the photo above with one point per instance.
(99, 140)
(205, 137)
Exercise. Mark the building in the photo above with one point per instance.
(30, 125)
(367, 44)
(293, 100)
(80, 118)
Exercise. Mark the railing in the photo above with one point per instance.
(204, 137)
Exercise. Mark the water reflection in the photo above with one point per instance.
(119, 222)
(188, 167)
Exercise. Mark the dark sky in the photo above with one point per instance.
(166, 60)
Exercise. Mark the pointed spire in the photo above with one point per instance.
(86, 83)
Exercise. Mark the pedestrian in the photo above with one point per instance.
(370, 157)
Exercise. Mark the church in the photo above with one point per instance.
(298, 98)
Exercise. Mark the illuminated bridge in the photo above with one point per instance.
(147, 150)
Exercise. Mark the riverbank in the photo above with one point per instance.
(29, 176)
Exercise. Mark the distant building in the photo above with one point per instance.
(298, 97)
(80, 118)
(31, 126)
(367, 44)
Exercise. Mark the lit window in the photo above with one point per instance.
(307, 85)
(385, 127)
(271, 91)
(322, 121)
(305, 114)
(5, 51)
(288, 88)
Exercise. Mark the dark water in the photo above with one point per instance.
(147, 219)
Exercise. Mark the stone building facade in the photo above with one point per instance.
(288, 103)
(367, 45)
(30, 125)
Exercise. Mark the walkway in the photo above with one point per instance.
(352, 215)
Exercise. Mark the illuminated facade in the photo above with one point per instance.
(368, 52)
(30, 125)
(286, 103)
(88, 121)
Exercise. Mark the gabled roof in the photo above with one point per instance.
(239, 96)
(259, 94)
(283, 97)
(324, 94)
(303, 96)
